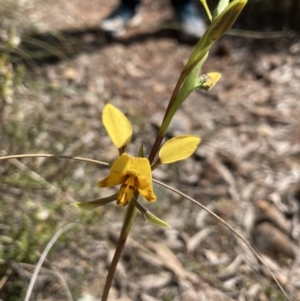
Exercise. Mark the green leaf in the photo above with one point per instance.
(187, 88)
(220, 25)
(90, 205)
(206, 8)
(220, 7)
(152, 219)
(224, 21)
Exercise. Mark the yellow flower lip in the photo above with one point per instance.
(133, 173)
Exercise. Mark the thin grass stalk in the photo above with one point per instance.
(258, 257)
(43, 257)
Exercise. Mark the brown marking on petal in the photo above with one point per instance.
(122, 198)
(127, 189)
(124, 185)
(103, 183)
(126, 177)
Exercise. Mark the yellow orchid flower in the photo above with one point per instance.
(134, 173)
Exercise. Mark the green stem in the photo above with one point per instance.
(160, 135)
(206, 9)
(185, 85)
(127, 224)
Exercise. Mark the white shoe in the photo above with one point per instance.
(115, 24)
(192, 24)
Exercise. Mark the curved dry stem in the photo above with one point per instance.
(230, 228)
(64, 283)
(53, 156)
(60, 37)
(43, 257)
(23, 54)
(257, 34)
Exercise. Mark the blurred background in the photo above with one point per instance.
(57, 71)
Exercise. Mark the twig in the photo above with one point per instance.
(47, 47)
(64, 283)
(258, 34)
(35, 176)
(5, 277)
(43, 257)
(68, 46)
(226, 175)
(229, 227)
(53, 156)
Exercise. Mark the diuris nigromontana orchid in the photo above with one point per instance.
(135, 173)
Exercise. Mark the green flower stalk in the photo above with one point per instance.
(188, 80)
(134, 175)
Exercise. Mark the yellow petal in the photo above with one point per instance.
(178, 148)
(117, 172)
(211, 80)
(145, 189)
(117, 126)
(133, 173)
(140, 167)
(112, 179)
(126, 192)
